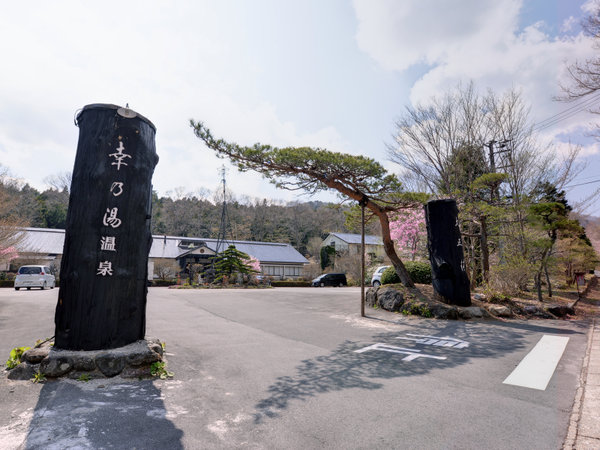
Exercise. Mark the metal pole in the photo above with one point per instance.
(362, 259)
(492, 164)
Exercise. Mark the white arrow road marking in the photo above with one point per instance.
(445, 341)
(537, 368)
(411, 354)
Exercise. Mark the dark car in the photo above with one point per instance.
(330, 279)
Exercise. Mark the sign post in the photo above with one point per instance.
(103, 276)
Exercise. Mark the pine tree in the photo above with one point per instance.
(230, 262)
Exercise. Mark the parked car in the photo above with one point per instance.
(376, 278)
(34, 276)
(330, 279)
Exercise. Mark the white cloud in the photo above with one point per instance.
(399, 35)
(486, 47)
(589, 6)
(169, 61)
(568, 24)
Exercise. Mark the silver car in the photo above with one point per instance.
(376, 278)
(34, 276)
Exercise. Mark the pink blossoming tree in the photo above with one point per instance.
(253, 263)
(8, 254)
(407, 229)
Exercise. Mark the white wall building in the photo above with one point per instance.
(276, 259)
(350, 243)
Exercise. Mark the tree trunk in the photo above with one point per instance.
(537, 279)
(548, 280)
(470, 260)
(485, 252)
(388, 244)
(538, 276)
(382, 215)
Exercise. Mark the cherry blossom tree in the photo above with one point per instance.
(407, 229)
(8, 254)
(253, 263)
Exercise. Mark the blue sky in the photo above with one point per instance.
(333, 74)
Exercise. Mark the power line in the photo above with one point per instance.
(581, 184)
(567, 113)
(575, 106)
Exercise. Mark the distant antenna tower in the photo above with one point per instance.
(224, 227)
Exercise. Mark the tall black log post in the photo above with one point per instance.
(450, 280)
(103, 274)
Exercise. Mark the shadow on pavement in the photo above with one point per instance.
(343, 368)
(101, 414)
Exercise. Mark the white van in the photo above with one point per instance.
(34, 276)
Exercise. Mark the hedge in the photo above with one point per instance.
(419, 271)
(290, 283)
(7, 283)
(163, 282)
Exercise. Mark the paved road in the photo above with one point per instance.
(279, 368)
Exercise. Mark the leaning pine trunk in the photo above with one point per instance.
(388, 246)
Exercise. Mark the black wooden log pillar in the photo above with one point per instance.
(103, 274)
(450, 280)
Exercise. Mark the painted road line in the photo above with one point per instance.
(437, 341)
(536, 369)
(411, 354)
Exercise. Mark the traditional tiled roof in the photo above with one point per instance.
(50, 241)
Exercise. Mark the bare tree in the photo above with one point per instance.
(10, 223)
(427, 136)
(60, 181)
(166, 269)
(429, 139)
(585, 75)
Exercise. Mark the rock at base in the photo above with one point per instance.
(444, 312)
(35, 355)
(131, 361)
(390, 299)
(371, 297)
(110, 364)
(23, 371)
(470, 312)
(538, 312)
(56, 367)
(500, 311)
(560, 310)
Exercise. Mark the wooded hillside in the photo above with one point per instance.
(304, 225)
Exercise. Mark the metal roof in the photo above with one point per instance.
(51, 241)
(355, 238)
(41, 240)
(265, 252)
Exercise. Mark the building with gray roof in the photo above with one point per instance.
(278, 260)
(350, 243)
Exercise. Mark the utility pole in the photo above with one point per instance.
(502, 147)
(224, 227)
(490, 146)
(362, 258)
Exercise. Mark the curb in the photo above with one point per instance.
(584, 423)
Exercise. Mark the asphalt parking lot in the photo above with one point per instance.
(296, 368)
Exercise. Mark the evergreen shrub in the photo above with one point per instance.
(290, 283)
(419, 271)
(163, 282)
